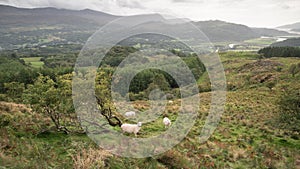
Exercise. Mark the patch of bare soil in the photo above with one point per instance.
(265, 65)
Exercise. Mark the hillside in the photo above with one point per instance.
(291, 26)
(47, 26)
(270, 32)
(294, 42)
(20, 17)
(219, 31)
(249, 135)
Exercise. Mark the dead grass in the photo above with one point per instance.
(90, 158)
(13, 107)
(21, 118)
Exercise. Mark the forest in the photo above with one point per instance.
(284, 51)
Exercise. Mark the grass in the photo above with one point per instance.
(34, 62)
(248, 135)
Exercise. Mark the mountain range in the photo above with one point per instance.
(22, 27)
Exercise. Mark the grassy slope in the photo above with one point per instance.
(247, 136)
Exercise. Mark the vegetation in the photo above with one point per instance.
(259, 128)
(35, 62)
(293, 42)
(40, 129)
(289, 109)
(280, 52)
(13, 69)
(294, 69)
(53, 99)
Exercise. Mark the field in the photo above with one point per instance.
(35, 62)
(261, 41)
(248, 135)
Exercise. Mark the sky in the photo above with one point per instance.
(254, 13)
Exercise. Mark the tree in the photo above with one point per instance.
(53, 99)
(161, 81)
(12, 70)
(103, 96)
(285, 51)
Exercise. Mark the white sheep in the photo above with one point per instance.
(131, 128)
(167, 122)
(130, 114)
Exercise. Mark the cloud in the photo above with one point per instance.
(250, 12)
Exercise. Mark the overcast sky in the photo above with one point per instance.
(255, 13)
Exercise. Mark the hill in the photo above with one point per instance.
(270, 32)
(47, 26)
(291, 26)
(22, 17)
(249, 134)
(294, 42)
(296, 30)
(222, 31)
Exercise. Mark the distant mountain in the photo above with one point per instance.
(296, 30)
(18, 17)
(219, 31)
(293, 26)
(50, 26)
(294, 42)
(270, 32)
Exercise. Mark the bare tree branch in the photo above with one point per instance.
(107, 113)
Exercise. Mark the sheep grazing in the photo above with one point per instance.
(131, 128)
(167, 122)
(130, 114)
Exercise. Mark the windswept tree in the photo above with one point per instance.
(53, 99)
(103, 96)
